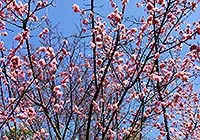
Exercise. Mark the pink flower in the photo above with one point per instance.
(21, 116)
(62, 102)
(34, 18)
(29, 72)
(96, 106)
(163, 133)
(4, 33)
(2, 48)
(56, 88)
(40, 35)
(198, 29)
(45, 31)
(42, 4)
(184, 76)
(115, 106)
(5, 138)
(150, 6)
(65, 42)
(160, 1)
(42, 62)
(18, 37)
(42, 49)
(42, 130)
(157, 55)
(193, 47)
(156, 77)
(124, 2)
(115, 16)
(99, 62)
(31, 112)
(64, 51)
(59, 93)
(39, 4)
(75, 107)
(85, 21)
(133, 30)
(25, 34)
(113, 4)
(56, 106)
(125, 82)
(76, 8)
(15, 61)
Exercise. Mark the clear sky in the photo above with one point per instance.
(67, 19)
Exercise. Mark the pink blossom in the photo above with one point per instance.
(15, 61)
(56, 88)
(156, 56)
(34, 18)
(19, 37)
(42, 130)
(84, 30)
(161, 1)
(133, 30)
(56, 106)
(64, 51)
(96, 106)
(182, 75)
(156, 77)
(198, 29)
(193, 47)
(2, 48)
(42, 62)
(76, 8)
(45, 30)
(5, 137)
(150, 6)
(85, 21)
(99, 62)
(40, 35)
(25, 34)
(115, 16)
(4, 33)
(65, 42)
(124, 2)
(39, 4)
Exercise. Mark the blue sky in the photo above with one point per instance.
(67, 19)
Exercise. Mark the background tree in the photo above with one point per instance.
(119, 77)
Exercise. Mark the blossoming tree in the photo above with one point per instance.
(120, 77)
